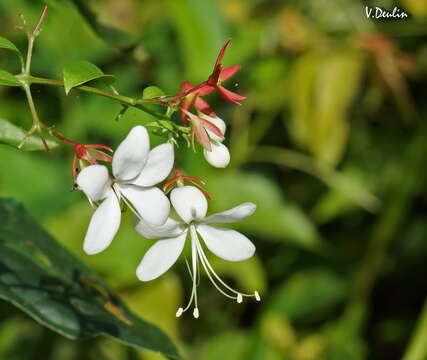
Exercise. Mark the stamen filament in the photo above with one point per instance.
(126, 201)
(211, 279)
(204, 257)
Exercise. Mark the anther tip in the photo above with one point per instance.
(179, 312)
(257, 297)
(239, 298)
(196, 313)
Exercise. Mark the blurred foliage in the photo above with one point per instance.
(330, 144)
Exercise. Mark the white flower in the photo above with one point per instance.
(135, 172)
(191, 205)
(218, 156)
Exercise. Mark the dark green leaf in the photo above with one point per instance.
(82, 72)
(13, 135)
(7, 79)
(9, 45)
(48, 283)
(151, 92)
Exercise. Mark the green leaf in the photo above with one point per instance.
(9, 45)
(13, 135)
(151, 92)
(7, 79)
(82, 72)
(48, 283)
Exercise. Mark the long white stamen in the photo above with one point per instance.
(194, 260)
(188, 268)
(193, 275)
(210, 276)
(197, 253)
(116, 190)
(203, 255)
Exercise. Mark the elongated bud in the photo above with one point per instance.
(219, 156)
(239, 298)
(219, 123)
(179, 312)
(257, 297)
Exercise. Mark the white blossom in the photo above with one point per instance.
(135, 172)
(191, 206)
(218, 156)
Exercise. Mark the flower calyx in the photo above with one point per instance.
(180, 179)
(85, 154)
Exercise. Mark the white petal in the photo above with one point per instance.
(158, 166)
(219, 156)
(150, 202)
(160, 257)
(94, 182)
(103, 226)
(189, 202)
(227, 244)
(219, 123)
(131, 155)
(171, 228)
(235, 214)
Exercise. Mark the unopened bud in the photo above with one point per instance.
(179, 312)
(239, 298)
(219, 156)
(219, 123)
(257, 297)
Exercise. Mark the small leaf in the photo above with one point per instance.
(13, 135)
(47, 282)
(9, 45)
(151, 92)
(82, 72)
(7, 79)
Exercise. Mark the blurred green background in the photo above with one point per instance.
(330, 144)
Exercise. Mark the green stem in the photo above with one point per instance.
(37, 124)
(32, 106)
(29, 54)
(126, 100)
(417, 349)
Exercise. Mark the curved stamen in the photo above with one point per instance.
(204, 257)
(116, 190)
(213, 280)
(193, 274)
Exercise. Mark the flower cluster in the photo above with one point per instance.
(206, 127)
(129, 178)
(136, 170)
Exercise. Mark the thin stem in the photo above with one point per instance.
(29, 55)
(37, 124)
(126, 100)
(417, 349)
(32, 106)
(31, 38)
